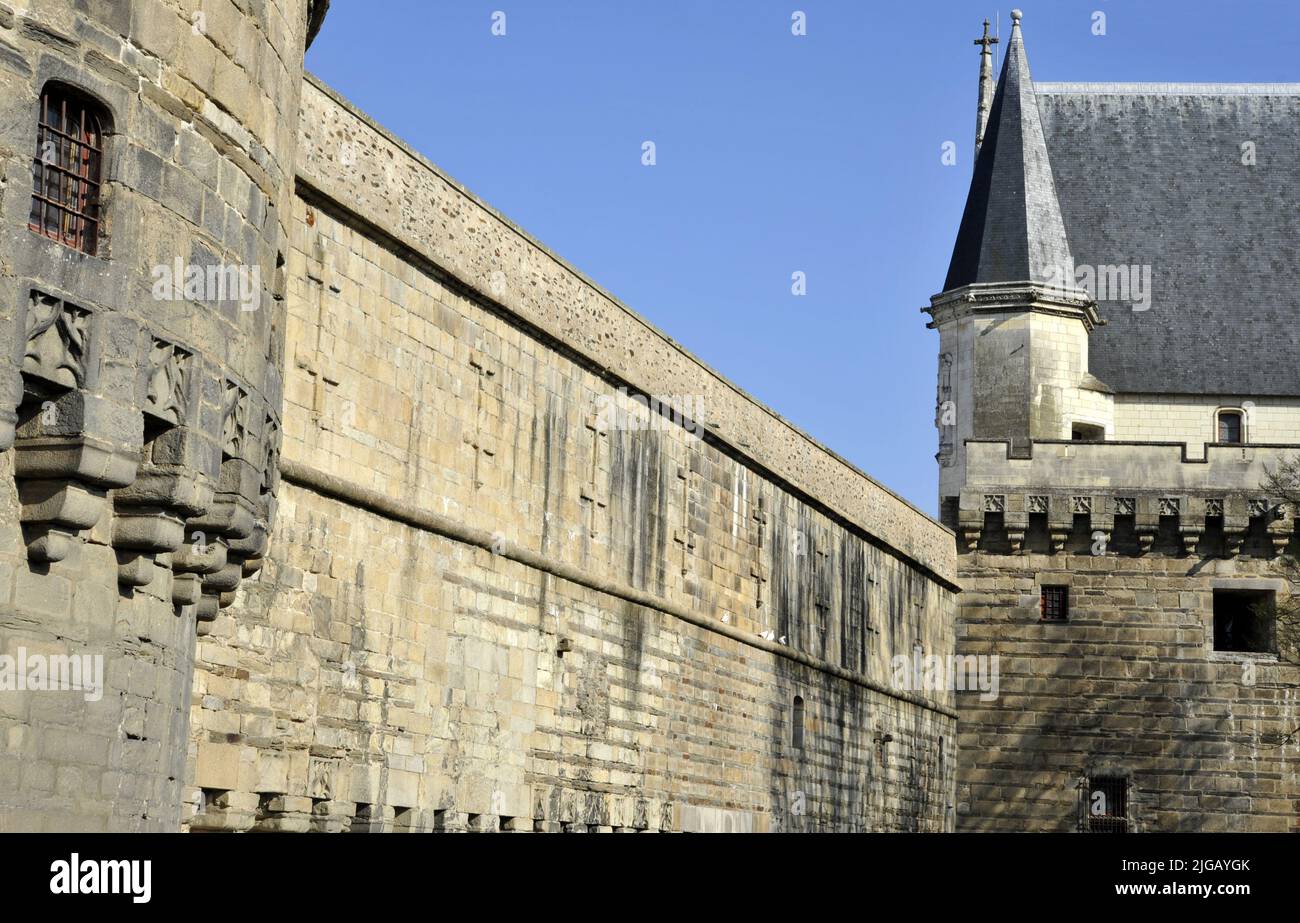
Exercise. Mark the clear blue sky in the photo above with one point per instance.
(776, 154)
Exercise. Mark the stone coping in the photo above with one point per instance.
(1169, 89)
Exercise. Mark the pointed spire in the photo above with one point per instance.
(986, 84)
(1012, 230)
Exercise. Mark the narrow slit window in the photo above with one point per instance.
(796, 729)
(1054, 605)
(66, 171)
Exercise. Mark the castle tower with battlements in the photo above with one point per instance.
(1116, 379)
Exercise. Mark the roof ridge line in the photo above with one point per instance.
(1166, 88)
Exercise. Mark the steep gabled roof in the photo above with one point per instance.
(1012, 229)
(1201, 183)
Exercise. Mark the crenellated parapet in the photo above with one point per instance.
(1142, 491)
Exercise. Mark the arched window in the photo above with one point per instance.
(66, 174)
(1231, 426)
(796, 724)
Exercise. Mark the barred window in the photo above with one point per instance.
(67, 167)
(1055, 604)
(1107, 804)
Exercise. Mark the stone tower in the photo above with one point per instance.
(1013, 325)
(1107, 416)
(146, 159)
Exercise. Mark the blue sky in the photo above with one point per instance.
(776, 154)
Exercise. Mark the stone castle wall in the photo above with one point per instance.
(501, 596)
(138, 424)
(1130, 687)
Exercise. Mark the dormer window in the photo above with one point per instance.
(66, 173)
(1231, 426)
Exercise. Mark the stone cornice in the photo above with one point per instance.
(987, 297)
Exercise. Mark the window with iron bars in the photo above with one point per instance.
(1054, 605)
(67, 168)
(1107, 804)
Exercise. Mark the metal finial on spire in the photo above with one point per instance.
(1016, 16)
(986, 44)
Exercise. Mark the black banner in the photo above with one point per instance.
(338, 873)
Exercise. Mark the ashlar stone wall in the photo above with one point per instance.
(500, 595)
(1130, 687)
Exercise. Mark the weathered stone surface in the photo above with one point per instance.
(1130, 686)
(498, 590)
(630, 655)
(114, 407)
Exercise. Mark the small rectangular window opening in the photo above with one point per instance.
(1055, 604)
(1230, 427)
(1245, 621)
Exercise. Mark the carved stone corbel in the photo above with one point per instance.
(1236, 523)
(251, 550)
(174, 482)
(1015, 520)
(1199, 513)
(1103, 521)
(78, 435)
(1281, 526)
(1060, 523)
(232, 517)
(970, 522)
(1146, 522)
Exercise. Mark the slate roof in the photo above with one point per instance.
(1150, 175)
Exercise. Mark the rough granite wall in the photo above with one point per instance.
(138, 431)
(490, 602)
